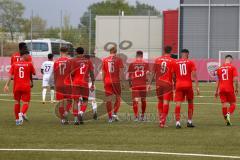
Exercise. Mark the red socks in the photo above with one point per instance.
(25, 108)
(83, 108)
(16, 110)
(177, 113)
(144, 105)
(165, 113)
(224, 110)
(232, 108)
(190, 111)
(160, 110)
(117, 104)
(109, 109)
(135, 108)
(61, 111)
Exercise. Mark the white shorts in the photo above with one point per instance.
(92, 94)
(48, 82)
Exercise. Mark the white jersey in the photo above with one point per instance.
(47, 68)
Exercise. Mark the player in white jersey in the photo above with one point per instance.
(92, 100)
(48, 79)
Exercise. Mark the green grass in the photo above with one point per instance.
(211, 136)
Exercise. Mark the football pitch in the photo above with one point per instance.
(43, 137)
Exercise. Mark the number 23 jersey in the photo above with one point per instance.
(183, 69)
(225, 74)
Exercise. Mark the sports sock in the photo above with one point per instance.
(69, 106)
(52, 92)
(94, 106)
(135, 108)
(160, 110)
(83, 108)
(16, 110)
(144, 105)
(109, 109)
(25, 108)
(44, 92)
(224, 111)
(165, 112)
(232, 108)
(75, 112)
(177, 113)
(117, 104)
(190, 111)
(61, 111)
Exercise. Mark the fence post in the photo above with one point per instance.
(90, 32)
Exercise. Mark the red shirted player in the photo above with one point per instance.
(16, 56)
(163, 68)
(81, 70)
(21, 72)
(227, 76)
(138, 77)
(62, 69)
(112, 68)
(184, 71)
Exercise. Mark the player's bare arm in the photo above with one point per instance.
(122, 77)
(6, 87)
(235, 79)
(194, 75)
(92, 79)
(217, 89)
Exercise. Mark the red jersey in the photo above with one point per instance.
(22, 72)
(62, 70)
(81, 68)
(138, 73)
(111, 67)
(163, 68)
(226, 74)
(183, 69)
(16, 57)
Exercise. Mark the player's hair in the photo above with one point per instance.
(139, 54)
(228, 56)
(87, 56)
(50, 56)
(23, 52)
(168, 49)
(80, 50)
(184, 51)
(64, 49)
(113, 50)
(22, 45)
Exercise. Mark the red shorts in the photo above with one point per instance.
(25, 96)
(164, 91)
(229, 97)
(80, 91)
(63, 93)
(167, 96)
(184, 93)
(139, 92)
(112, 88)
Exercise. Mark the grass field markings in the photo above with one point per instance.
(38, 101)
(122, 151)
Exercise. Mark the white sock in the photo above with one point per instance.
(52, 92)
(44, 92)
(94, 106)
(178, 123)
(190, 121)
(80, 112)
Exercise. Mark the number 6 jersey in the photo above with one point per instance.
(22, 71)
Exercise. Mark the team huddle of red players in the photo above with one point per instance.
(173, 80)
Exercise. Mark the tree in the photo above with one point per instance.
(38, 27)
(11, 12)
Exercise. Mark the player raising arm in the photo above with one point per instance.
(21, 73)
(48, 80)
(112, 69)
(81, 70)
(184, 71)
(138, 78)
(227, 77)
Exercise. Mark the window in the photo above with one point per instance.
(38, 47)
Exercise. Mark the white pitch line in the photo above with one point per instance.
(121, 151)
